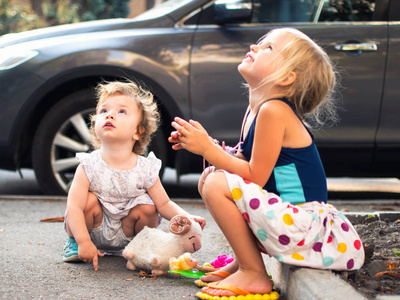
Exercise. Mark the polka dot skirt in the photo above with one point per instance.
(312, 234)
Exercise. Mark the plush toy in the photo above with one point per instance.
(152, 248)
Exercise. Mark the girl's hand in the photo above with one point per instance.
(202, 222)
(174, 139)
(190, 136)
(88, 252)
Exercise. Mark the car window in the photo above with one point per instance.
(347, 10)
(161, 9)
(289, 11)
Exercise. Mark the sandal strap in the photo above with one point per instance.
(231, 288)
(219, 273)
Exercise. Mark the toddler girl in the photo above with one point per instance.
(116, 191)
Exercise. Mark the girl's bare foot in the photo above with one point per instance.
(229, 268)
(249, 281)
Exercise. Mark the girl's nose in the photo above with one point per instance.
(109, 116)
(253, 48)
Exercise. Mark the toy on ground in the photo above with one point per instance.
(222, 261)
(186, 266)
(151, 249)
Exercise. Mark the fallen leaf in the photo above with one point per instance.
(144, 274)
(387, 273)
(56, 219)
(392, 265)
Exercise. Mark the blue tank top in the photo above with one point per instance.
(298, 175)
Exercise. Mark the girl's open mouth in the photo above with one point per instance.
(108, 124)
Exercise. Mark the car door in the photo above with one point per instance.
(387, 160)
(353, 33)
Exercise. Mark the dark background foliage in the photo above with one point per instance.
(17, 16)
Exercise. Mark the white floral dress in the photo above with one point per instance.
(118, 192)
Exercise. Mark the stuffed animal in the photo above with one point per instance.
(152, 248)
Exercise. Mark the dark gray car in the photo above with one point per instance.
(187, 52)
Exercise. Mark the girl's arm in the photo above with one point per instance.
(167, 208)
(269, 134)
(76, 203)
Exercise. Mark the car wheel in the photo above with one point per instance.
(64, 131)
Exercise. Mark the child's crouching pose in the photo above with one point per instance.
(116, 191)
(272, 193)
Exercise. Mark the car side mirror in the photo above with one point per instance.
(232, 11)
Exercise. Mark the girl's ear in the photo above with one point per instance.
(138, 133)
(288, 80)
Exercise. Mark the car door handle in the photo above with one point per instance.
(368, 47)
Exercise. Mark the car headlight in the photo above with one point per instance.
(9, 58)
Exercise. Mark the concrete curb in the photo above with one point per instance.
(317, 284)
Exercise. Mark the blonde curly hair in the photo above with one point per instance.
(150, 116)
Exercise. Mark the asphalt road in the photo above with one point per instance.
(32, 268)
(31, 251)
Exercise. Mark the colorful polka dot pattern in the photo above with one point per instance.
(312, 234)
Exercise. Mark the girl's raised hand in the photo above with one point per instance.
(174, 139)
(190, 136)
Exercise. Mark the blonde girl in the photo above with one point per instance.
(271, 195)
(116, 191)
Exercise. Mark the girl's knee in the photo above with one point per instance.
(203, 177)
(143, 211)
(215, 184)
(92, 205)
(149, 210)
(138, 217)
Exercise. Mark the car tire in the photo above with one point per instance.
(62, 133)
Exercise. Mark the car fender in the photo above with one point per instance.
(84, 77)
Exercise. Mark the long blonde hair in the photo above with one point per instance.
(150, 115)
(312, 91)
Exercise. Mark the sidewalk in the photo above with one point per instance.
(31, 262)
